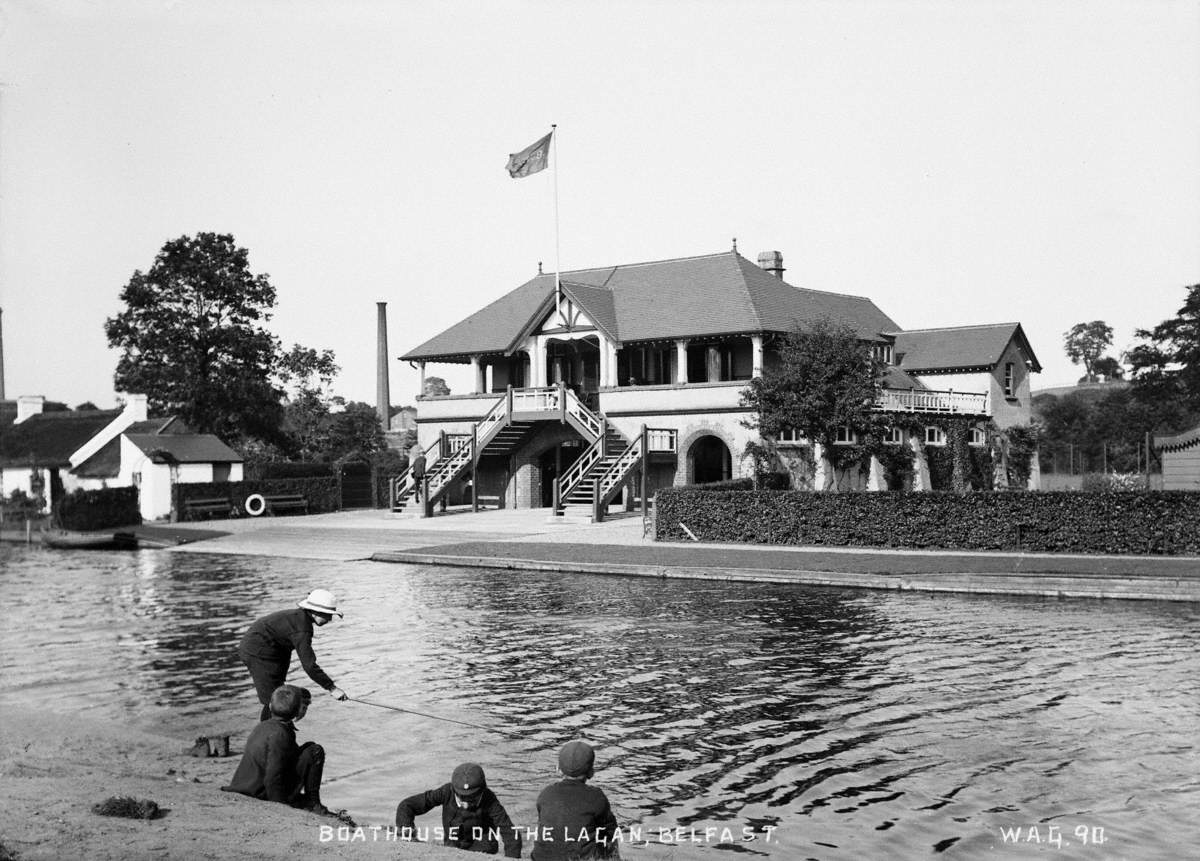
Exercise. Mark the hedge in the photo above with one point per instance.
(88, 510)
(323, 494)
(1151, 522)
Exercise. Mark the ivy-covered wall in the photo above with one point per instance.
(1154, 522)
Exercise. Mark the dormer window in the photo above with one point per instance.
(882, 353)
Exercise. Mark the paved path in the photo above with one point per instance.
(530, 540)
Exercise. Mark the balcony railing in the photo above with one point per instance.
(929, 401)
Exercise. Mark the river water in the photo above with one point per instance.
(826, 723)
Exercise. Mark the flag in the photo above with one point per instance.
(533, 158)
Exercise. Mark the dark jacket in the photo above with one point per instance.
(473, 828)
(268, 767)
(272, 638)
(576, 819)
(418, 467)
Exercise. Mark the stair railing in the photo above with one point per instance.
(575, 474)
(578, 410)
(403, 485)
(608, 484)
(448, 468)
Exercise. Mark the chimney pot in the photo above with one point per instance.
(28, 405)
(771, 261)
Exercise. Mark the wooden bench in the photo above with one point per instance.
(209, 506)
(285, 502)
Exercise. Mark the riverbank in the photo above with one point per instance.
(531, 540)
(55, 767)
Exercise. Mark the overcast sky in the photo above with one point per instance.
(956, 162)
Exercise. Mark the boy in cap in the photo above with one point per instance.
(471, 814)
(267, 647)
(574, 819)
(273, 767)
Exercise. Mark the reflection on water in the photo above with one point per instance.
(860, 724)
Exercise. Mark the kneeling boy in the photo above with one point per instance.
(274, 767)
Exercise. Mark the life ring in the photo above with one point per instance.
(255, 504)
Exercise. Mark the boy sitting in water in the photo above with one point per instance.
(273, 767)
(574, 819)
(471, 814)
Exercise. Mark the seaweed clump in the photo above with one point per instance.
(128, 807)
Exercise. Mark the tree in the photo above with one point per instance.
(1109, 368)
(86, 406)
(1165, 366)
(355, 430)
(1086, 342)
(435, 386)
(307, 377)
(826, 379)
(192, 339)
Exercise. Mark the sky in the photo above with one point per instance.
(957, 163)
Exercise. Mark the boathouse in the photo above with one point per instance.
(628, 378)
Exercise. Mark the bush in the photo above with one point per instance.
(1113, 482)
(287, 469)
(1149, 522)
(323, 494)
(88, 510)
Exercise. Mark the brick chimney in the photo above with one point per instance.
(28, 405)
(772, 261)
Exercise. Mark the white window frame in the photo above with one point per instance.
(934, 435)
(893, 436)
(1010, 379)
(845, 436)
(976, 437)
(791, 436)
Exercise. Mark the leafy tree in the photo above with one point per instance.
(192, 339)
(87, 406)
(307, 377)
(355, 430)
(826, 379)
(1086, 342)
(436, 386)
(1165, 366)
(1109, 368)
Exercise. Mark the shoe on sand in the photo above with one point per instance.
(200, 748)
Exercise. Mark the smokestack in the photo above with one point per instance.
(383, 390)
(772, 261)
(1, 354)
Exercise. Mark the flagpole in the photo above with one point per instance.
(557, 256)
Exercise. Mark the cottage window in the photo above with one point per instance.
(845, 436)
(893, 436)
(977, 437)
(883, 353)
(934, 436)
(1009, 380)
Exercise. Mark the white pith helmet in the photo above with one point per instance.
(320, 601)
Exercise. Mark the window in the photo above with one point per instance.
(977, 437)
(845, 436)
(893, 436)
(1009, 380)
(882, 353)
(935, 436)
(791, 436)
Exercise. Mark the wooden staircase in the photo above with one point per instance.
(576, 488)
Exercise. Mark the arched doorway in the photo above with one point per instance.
(710, 460)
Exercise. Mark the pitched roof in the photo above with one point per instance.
(716, 294)
(184, 448)
(106, 462)
(959, 348)
(49, 439)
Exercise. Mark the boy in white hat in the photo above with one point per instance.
(267, 647)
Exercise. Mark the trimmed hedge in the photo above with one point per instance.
(1153, 522)
(288, 469)
(88, 510)
(323, 494)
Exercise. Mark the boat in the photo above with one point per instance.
(69, 539)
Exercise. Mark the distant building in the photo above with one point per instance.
(51, 454)
(565, 383)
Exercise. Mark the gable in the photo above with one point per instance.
(49, 439)
(960, 349)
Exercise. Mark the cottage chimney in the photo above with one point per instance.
(772, 261)
(383, 388)
(28, 405)
(135, 406)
